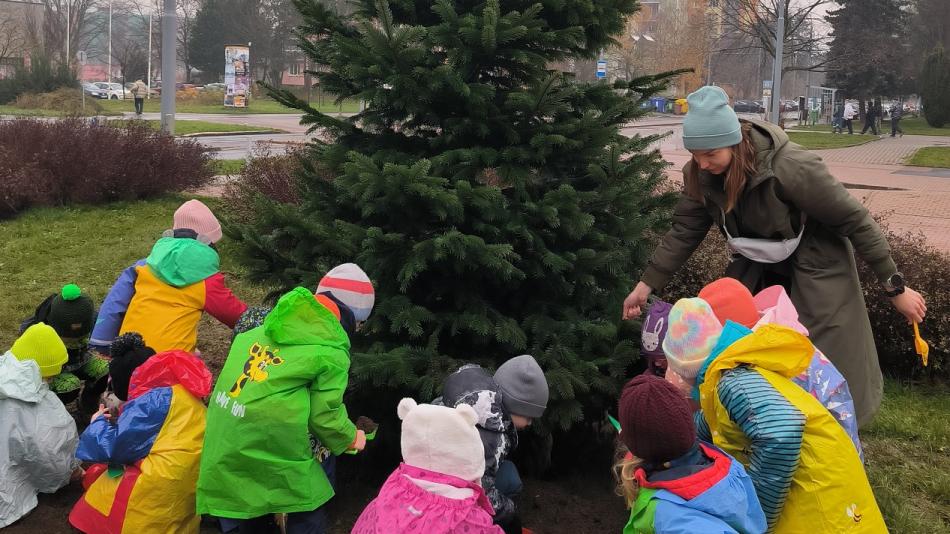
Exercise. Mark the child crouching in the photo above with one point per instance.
(436, 489)
(674, 482)
(39, 436)
(147, 460)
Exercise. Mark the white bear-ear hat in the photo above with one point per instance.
(442, 439)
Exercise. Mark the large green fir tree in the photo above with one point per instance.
(935, 87)
(490, 196)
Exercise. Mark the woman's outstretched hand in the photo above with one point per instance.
(909, 303)
(635, 301)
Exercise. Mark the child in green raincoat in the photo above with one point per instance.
(282, 381)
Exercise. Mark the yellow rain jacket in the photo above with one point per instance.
(829, 491)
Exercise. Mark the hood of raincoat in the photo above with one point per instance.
(168, 369)
(776, 307)
(299, 319)
(180, 262)
(772, 347)
(20, 379)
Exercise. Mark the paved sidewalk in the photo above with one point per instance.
(885, 151)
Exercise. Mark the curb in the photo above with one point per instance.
(239, 132)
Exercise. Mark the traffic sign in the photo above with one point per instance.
(81, 57)
(602, 68)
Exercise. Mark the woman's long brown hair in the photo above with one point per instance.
(740, 170)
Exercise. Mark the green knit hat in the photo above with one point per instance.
(710, 122)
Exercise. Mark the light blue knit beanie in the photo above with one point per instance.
(710, 122)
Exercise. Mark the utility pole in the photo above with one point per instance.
(67, 33)
(148, 74)
(110, 43)
(777, 63)
(169, 32)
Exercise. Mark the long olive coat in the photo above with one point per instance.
(792, 185)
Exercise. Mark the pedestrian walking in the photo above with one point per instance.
(849, 113)
(870, 119)
(897, 111)
(837, 120)
(139, 90)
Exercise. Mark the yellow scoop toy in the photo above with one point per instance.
(920, 345)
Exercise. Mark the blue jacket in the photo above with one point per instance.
(718, 498)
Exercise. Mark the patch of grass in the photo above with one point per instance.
(908, 453)
(186, 127)
(910, 125)
(228, 166)
(932, 156)
(260, 105)
(36, 112)
(818, 140)
(45, 248)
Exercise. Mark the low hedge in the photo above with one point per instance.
(59, 162)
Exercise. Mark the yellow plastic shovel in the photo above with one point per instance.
(922, 347)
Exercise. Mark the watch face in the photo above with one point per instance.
(896, 280)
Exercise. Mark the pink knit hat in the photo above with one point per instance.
(194, 215)
(350, 285)
(692, 334)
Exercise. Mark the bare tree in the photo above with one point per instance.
(749, 25)
(667, 41)
(187, 9)
(58, 15)
(13, 36)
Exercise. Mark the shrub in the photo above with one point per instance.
(77, 161)
(265, 175)
(66, 100)
(40, 77)
(194, 96)
(926, 269)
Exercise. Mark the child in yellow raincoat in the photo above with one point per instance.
(806, 472)
(147, 460)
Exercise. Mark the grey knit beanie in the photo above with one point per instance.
(710, 122)
(524, 390)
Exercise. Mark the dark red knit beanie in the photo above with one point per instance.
(656, 420)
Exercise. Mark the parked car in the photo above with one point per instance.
(112, 91)
(214, 87)
(748, 106)
(93, 90)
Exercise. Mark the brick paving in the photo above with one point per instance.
(885, 151)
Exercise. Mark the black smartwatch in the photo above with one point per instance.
(894, 285)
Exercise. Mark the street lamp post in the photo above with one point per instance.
(67, 33)
(169, 30)
(148, 74)
(110, 42)
(777, 64)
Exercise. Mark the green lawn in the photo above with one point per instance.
(932, 156)
(45, 248)
(19, 112)
(819, 140)
(228, 166)
(910, 125)
(907, 446)
(908, 453)
(260, 105)
(186, 127)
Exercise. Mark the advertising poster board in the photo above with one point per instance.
(237, 77)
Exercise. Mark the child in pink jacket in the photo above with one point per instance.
(436, 489)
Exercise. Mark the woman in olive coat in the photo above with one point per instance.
(788, 222)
